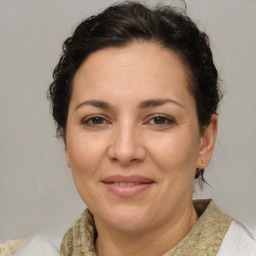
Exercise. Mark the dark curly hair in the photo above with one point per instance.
(128, 22)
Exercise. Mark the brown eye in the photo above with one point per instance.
(161, 120)
(97, 120)
(94, 121)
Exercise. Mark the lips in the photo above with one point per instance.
(127, 186)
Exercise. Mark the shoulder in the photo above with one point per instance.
(35, 246)
(238, 241)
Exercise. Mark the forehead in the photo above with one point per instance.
(140, 69)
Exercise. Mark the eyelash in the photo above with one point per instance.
(167, 120)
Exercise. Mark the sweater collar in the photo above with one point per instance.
(207, 234)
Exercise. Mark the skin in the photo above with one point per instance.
(129, 138)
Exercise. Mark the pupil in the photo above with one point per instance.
(97, 120)
(159, 120)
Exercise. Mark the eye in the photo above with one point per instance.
(94, 121)
(161, 120)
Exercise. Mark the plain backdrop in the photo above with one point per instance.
(36, 188)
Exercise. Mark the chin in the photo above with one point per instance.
(131, 219)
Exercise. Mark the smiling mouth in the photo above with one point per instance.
(123, 186)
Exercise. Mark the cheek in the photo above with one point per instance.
(175, 152)
(85, 154)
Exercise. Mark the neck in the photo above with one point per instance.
(154, 241)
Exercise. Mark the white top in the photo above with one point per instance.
(238, 241)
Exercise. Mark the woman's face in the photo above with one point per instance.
(132, 138)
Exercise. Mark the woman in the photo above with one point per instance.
(135, 98)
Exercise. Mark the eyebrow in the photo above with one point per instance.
(94, 103)
(157, 102)
(144, 104)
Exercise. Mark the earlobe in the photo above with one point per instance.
(207, 144)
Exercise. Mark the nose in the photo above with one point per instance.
(126, 146)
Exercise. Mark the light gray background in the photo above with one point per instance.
(36, 188)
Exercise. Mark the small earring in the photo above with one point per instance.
(203, 161)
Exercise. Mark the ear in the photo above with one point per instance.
(207, 143)
(67, 156)
(63, 135)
